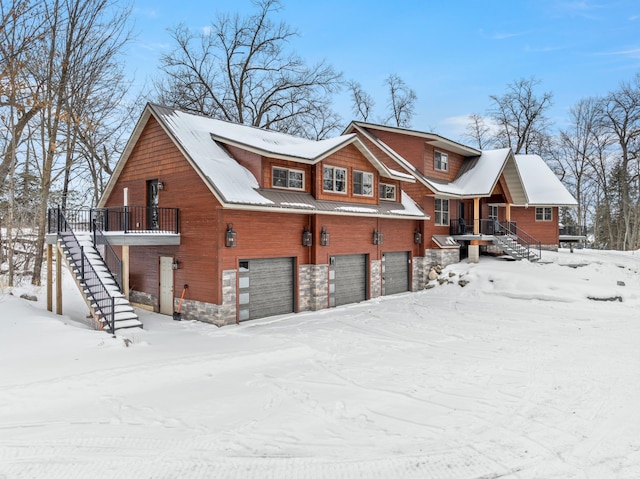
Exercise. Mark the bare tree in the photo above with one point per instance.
(239, 70)
(82, 42)
(581, 146)
(478, 131)
(621, 111)
(520, 114)
(402, 101)
(361, 102)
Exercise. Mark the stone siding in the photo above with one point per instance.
(376, 278)
(419, 273)
(442, 257)
(145, 299)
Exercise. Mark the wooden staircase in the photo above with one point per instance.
(108, 305)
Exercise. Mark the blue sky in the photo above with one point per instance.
(453, 54)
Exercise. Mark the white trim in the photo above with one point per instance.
(446, 161)
(435, 211)
(333, 179)
(385, 198)
(353, 179)
(544, 208)
(288, 170)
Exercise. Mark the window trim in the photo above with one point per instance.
(380, 185)
(373, 182)
(333, 179)
(289, 171)
(491, 216)
(446, 161)
(543, 210)
(440, 211)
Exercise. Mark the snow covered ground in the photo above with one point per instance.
(516, 375)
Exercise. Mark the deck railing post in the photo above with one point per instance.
(113, 316)
(126, 219)
(82, 262)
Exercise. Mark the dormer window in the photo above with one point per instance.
(334, 179)
(440, 161)
(286, 178)
(362, 183)
(387, 192)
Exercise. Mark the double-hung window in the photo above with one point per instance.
(334, 179)
(286, 178)
(544, 214)
(442, 212)
(362, 183)
(387, 192)
(493, 212)
(440, 161)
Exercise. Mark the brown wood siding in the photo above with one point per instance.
(350, 158)
(267, 172)
(544, 231)
(251, 161)
(156, 156)
(419, 153)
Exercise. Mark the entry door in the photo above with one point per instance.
(166, 285)
(152, 205)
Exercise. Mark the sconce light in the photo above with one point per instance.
(231, 237)
(307, 237)
(160, 185)
(324, 237)
(417, 237)
(175, 264)
(378, 237)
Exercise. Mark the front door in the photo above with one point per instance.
(166, 285)
(152, 205)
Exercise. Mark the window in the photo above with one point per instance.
(544, 214)
(493, 212)
(285, 178)
(440, 161)
(387, 192)
(334, 179)
(362, 183)
(442, 212)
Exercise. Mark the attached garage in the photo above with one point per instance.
(395, 272)
(348, 279)
(265, 287)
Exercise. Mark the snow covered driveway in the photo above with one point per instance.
(516, 375)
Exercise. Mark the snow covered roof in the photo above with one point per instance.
(542, 186)
(528, 178)
(202, 139)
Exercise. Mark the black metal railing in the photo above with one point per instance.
(98, 293)
(125, 219)
(524, 241)
(138, 219)
(109, 256)
(573, 230)
(460, 226)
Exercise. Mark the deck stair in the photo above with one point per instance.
(515, 242)
(511, 246)
(108, 305)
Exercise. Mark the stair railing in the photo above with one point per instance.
(525, 241)
(99, 294)
(109, 256)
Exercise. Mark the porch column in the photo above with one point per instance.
(58, 279)
(476, 216)
(125, 270)
(508, 212)
(50, 277)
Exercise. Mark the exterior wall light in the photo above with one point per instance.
(417, 237)
(307, 237)
(378, 237)
(160, 185)
(175, 264)
(231, 237)
(324, 237)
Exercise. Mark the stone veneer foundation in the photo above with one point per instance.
(442, 257)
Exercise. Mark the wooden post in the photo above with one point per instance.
(58, 279)
(476, 216)
(50, 277)
(508, 212)
(125, 270)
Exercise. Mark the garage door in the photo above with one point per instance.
(395, 272)
(266, 287)
(348, 279)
